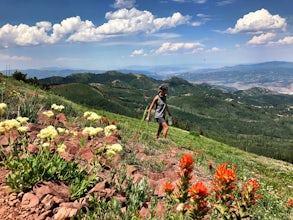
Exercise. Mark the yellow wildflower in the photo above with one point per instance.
(48, 133)
(46, 144)
(8, 125)
(92, 131)
(61, 130)
(23, 129)
(22, 120)
(109, 129)
(111, 153)
(58, 108)
(113, 149)
(3, 107)
(92, 116)
(48, 113)
(61, 148)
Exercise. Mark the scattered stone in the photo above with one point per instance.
(29, 200)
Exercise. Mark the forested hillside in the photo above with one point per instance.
(255, 120)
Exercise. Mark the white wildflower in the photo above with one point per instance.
(92, 131)
(46, 144)
(180, 207)
(92, 116)
(111, 153)
(48, 113)
(109, 129)
(23, 129)
(61, 148)
(22, 120)
(8, 125)
(58, 108)
(61, 130)
(114, 147)
(3, 107)
(48, 133)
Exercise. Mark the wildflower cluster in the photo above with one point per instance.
(113, 149)
(9, 124)
(110, 129)
(227, 199)
(191, 199)
(58, 108)
(48, 113)
(3, 108)
(92, 116)
(185, 175)
(49, 133)
(91, 131)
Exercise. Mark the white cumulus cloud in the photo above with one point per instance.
(262, 39)
(138, 52)
(190, 47)
(285, 41)
(24, 35)
(258, 22)
(120, 22)
(128, 21)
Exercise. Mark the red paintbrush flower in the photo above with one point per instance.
(168, 188)
(224, 175)
(186, 163)
(198, 191)
(289, 204)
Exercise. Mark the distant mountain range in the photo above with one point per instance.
(276, 76)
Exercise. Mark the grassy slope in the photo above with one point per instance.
(196, 108)
(276, 177)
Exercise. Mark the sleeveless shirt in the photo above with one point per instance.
(160, 107)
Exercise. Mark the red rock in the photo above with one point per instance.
(66, 156)
(99, 187)
(130, 170)
(3, 140)
(61, 119)
(72, 146)
(31, 148)
(29, 200)
(111, 139)
(59, 190)
(65, 213)
(86, 153)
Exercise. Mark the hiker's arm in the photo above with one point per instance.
(151, 107)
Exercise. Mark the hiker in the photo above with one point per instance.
(160, 110)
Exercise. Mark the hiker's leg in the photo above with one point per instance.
(159, 130)
(165, 129)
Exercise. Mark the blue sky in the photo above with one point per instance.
(114, 34)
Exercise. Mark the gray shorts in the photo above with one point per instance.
(160, 120)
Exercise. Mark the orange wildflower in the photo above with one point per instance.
(224, 175)
(252, 186)
(168, 188)
(198, 190)
(289, 204)
(186, 163)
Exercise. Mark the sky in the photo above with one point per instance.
(116, 34)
